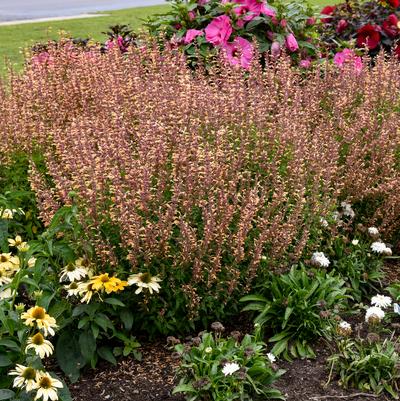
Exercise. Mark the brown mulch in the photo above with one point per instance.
(153, 379)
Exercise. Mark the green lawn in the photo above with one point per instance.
(15, 38)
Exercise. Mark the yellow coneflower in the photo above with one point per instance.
(145, 280)
(7, 214)
(46, 387)
(9, 262)
(26, 377)
(31, 262)
(108, 284)
(16, 241)
(42, 347)
(4, 276)
(37, 315)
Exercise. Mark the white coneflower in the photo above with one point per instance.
(73, 272)
(319, 259)
(344, 328)
(230, 368)
(37, 315)
(355, 242)
(145, 280)
(347, 210)
(379, 247)
(374, 315)
(7, 293)
(271, 357)
(46, 387)
(85, 290)
(323, 222)
(382, 301)
(73, 289)
(42, 347)
(26, 377)
(373, 231)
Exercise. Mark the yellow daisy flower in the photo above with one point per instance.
(41, 346)
(26, 377)
(108, 284)
(37, 315)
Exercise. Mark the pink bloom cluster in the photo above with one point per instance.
(347, 56)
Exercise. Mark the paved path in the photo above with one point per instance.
(13, 10)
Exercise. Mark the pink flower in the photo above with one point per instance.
(219, 30)
(110, 44)
(192, 15)
(202, 2)
(253, 8)
(306, 63)
(348, 56)
(239, 52)
(291, 43)
(191, 34)
(275, 49)
(42, 58)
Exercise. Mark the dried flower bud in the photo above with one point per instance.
(324, 314)
(373, 338)
(236, 335)
(171, 340)
(217, 327)
(196, 341)
(248, 352)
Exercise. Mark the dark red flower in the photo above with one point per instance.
(390, 26)
(328, 10)
(394, 3)
(397, 51)
(341, 26)
(368, 35)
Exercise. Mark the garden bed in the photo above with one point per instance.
(153, 379)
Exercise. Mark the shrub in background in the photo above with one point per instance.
(209, 189)
(363, 24)
(202, 28)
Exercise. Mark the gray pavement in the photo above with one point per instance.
(12, 10)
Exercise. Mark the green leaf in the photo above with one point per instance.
(114, 301)
(127, 319)
(9, 344)
(6, 394)
(69, 356)
(87, 343)
(183, 388)
(5, 360)
(106, 354)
